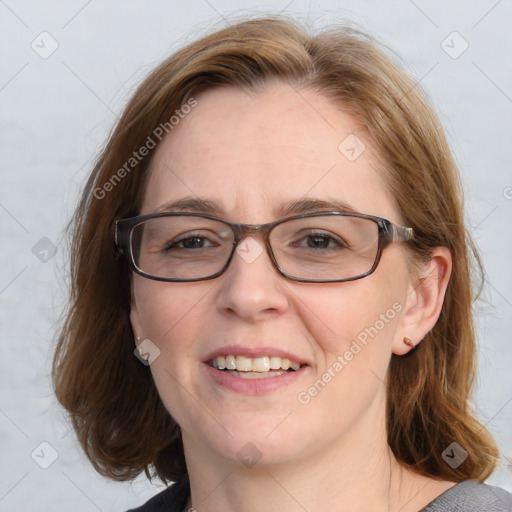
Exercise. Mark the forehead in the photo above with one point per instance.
(253, 152)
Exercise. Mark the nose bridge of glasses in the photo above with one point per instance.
(261, 242)
(241, 231)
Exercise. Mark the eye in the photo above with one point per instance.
(189, 241)
(320, 240)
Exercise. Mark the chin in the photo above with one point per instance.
(257, 440)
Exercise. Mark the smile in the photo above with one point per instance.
(254, 367)
(254, 370)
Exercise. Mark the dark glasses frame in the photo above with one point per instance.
(387, 233)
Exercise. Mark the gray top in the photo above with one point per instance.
(468, 496)
(471, 496)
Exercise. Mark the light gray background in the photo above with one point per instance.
(57, 112)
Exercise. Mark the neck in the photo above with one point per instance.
(356, 475)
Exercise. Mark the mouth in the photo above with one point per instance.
(262, 367)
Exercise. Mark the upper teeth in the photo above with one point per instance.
(256, 364)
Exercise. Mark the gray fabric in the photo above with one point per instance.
(471, 496)
(468, 496)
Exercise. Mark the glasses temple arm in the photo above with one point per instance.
(118, 238)
(400, 233)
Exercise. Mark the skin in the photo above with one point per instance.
(252, 152)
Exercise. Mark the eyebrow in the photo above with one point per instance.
(300, 206)
(311, 205)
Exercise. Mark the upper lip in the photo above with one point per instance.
(253, 352)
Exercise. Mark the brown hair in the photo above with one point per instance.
(110, 396)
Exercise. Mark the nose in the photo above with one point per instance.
(252, 289)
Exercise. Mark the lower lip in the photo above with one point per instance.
(253, 386)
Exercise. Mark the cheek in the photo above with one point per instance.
(353, 327)
(358, 311)
(172, 314)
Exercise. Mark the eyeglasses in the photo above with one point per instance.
(321, 247)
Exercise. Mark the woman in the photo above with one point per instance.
(275, 230)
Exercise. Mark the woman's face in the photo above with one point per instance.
(252, 154)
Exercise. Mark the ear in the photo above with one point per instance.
(424, 300)
(135, 321)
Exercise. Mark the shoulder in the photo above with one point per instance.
(472, 496)
(172, 499)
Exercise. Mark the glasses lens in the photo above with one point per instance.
(181, 247)
(315, 248)
(325, 247)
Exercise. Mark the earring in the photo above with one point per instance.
(408, 342)
(138, 338)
